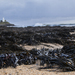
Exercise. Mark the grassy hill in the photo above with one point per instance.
(4, 23)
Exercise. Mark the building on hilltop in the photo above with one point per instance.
(4, 22)
(3, 19)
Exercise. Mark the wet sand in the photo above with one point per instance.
(42, 45)
(31, 70)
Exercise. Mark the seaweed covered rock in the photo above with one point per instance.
(35, 35)
(11, 38)
(69, 49)
(9, 48)
(45, 56)
(26, 58)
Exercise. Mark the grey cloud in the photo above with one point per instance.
(36, 9)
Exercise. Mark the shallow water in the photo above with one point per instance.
(62, 25)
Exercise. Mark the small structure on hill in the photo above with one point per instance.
(3, 19)
(4, 22)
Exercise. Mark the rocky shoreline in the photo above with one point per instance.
(13, 37)
(14, 44)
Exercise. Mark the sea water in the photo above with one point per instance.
(45, 22)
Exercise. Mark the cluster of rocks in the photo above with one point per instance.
(12, 54)
(64, 60)
(7, 60)
(14, 60)
(35, 35)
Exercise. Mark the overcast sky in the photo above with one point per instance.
(28, 12)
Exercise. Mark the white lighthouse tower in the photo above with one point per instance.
(3, 19)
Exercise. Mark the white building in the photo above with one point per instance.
(3, 19)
